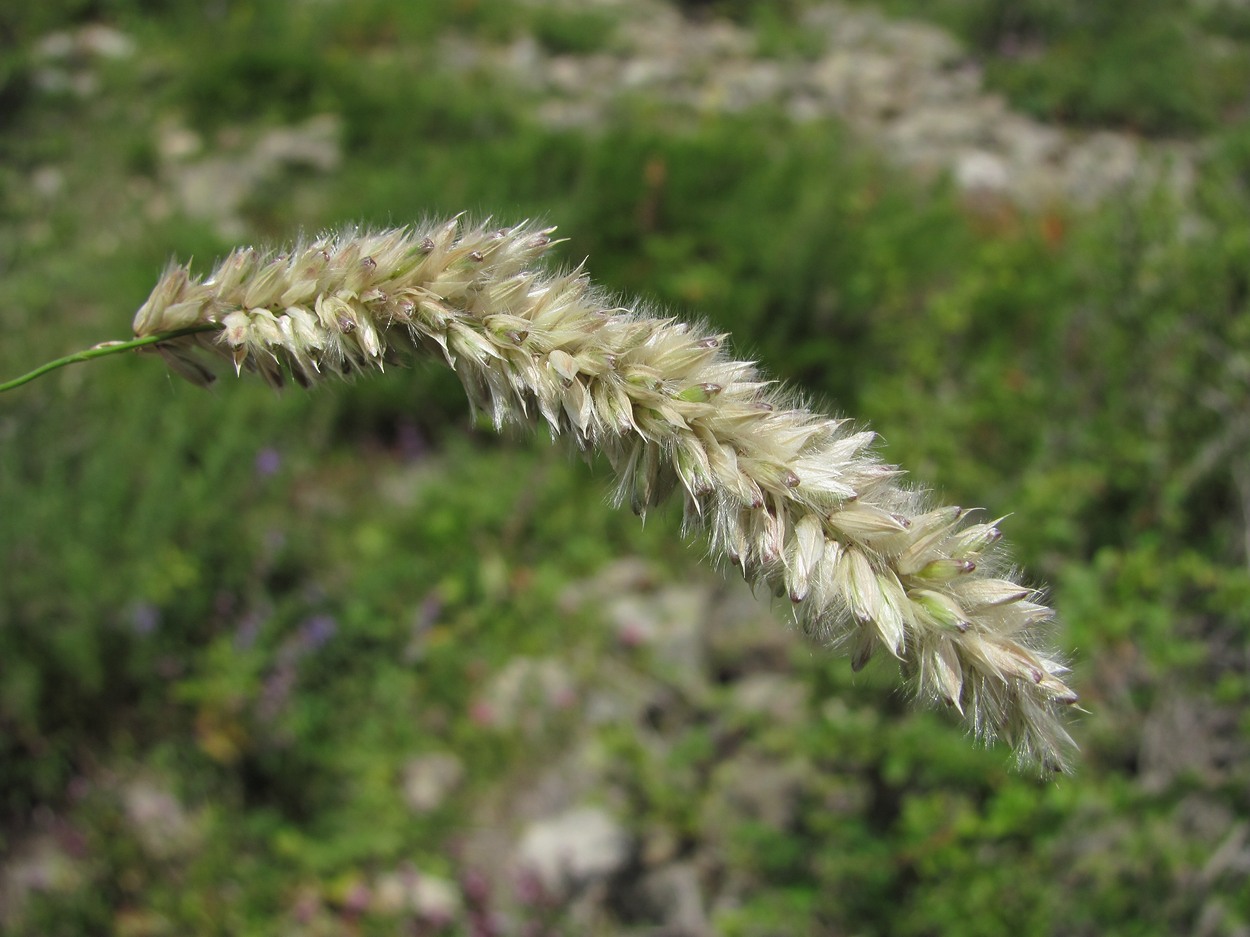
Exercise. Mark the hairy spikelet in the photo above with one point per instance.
(797, 501)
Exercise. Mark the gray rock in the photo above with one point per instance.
(781, 699)
(407, 891)
(575, 849)
(526, 694)
(217, 187)
(626, 574)
(980, 172)
(429, 779)
(92, 40)
(158, 819)
(670, 621)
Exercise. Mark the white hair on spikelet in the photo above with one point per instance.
(798, 501)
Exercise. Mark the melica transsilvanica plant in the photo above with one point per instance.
(797, 501)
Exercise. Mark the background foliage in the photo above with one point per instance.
(254, 611)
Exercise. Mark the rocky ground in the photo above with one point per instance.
(905, 87)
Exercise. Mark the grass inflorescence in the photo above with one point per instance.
(799, 502)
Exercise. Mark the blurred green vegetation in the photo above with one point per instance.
(271, 603)
(1154, 66)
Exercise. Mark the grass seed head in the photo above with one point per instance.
(800, 502)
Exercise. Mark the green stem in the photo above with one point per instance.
(102, 349)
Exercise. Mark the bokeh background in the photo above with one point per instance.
(347, 663)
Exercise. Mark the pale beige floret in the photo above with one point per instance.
(798, 501)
